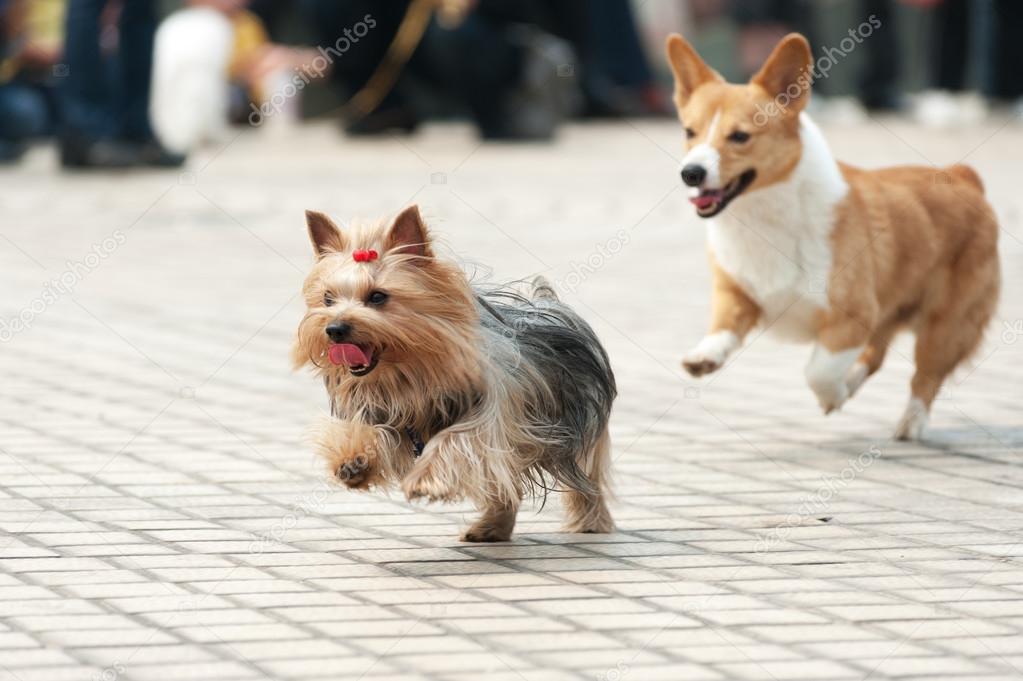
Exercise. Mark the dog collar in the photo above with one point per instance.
(417, 442)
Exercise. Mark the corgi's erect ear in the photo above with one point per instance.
(689, 70)
(787, 74)
(408, 234)
(325, 235)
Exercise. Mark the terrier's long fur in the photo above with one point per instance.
(820, 251)
(506, 394)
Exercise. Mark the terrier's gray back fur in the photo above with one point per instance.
(564, 353)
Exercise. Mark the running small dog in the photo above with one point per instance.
(451, 391)
(817, 250)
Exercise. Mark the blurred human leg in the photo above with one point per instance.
(24, 114)
(84, 92)
(134, 69)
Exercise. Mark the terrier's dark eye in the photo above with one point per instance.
(739, 137)
(328, 299)
(690, 133)
(377, 298)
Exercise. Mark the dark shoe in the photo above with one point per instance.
(10, 151)
(153, 154)
(77, 152)
(546, 94)
(398, 119)
(106, 153)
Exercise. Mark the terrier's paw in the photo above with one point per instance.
(710, 354)
(351, 452)
(485, 534)
(421, 483)
(355, 472)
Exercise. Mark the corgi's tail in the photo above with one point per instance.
(965, 173)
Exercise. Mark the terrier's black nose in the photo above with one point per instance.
(694, 174)
(338, 331)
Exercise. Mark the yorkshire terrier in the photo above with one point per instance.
(450, 390)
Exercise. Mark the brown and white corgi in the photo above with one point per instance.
(819, 251)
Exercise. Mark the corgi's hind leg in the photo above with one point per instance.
(588, 511)
(948, 332)
(872, 357)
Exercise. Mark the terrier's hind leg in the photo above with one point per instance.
(496, 524)
(587, 511)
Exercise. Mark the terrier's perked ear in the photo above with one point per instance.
(325, 235)
(408, 234)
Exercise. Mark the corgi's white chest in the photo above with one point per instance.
(776, 242)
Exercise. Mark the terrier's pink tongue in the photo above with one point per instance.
(346, 353)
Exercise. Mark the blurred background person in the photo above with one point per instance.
(517, 67)
(214, 63)
(975, 53)
(30, 49)
(104, 95)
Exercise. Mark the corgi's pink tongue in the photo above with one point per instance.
(347, 354)
(705, 200)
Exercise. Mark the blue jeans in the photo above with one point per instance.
(24, 114)
(104, 97)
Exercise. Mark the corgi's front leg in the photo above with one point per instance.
(733, 314)
(839, 344)
(711, 353)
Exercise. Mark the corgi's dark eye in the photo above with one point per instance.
(377, 298)
(328, 299)
(739, 137)
(690, 133)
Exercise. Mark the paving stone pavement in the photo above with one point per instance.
(163, 518)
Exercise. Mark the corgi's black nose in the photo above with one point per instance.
(338, 331)
(694, 174)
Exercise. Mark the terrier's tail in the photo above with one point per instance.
(542, 289)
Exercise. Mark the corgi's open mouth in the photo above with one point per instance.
(710, 202)
(360, 359)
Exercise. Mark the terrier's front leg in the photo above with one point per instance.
(433, 477)
(460, 461)
(354, 453)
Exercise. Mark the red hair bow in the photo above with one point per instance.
(365, 256)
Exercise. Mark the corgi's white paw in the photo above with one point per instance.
(855, 378)
(914, 420)
(831, 396)
(827, 373)
(710, 353)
